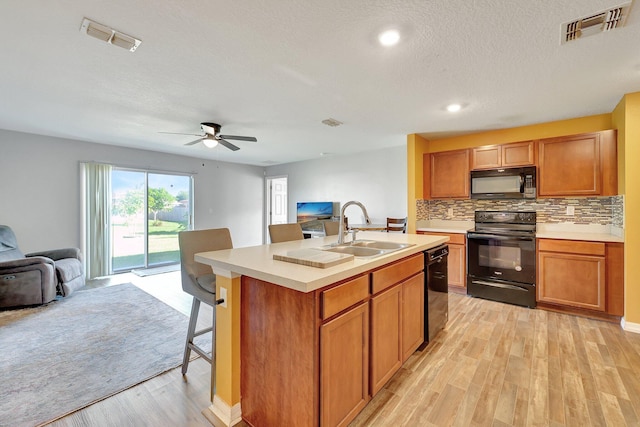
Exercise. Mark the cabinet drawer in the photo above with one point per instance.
(454, 238)
(571, 246)
(395, 273)
(343, 296)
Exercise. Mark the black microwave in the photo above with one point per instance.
(504, 183)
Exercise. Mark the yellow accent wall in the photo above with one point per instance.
(524, 133)
(227, 367)
(626, 117)
(416, 147)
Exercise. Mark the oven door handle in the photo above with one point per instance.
(497, 237)
(498, 285)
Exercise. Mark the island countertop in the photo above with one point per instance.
(258, 262)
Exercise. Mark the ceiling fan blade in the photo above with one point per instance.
(227, 144)
(194, 142)
(239, 138)
(178, 133)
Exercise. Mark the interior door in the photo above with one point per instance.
(276, 209)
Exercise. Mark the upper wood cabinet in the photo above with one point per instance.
(505, 155)
(578, 165)
(446, 175)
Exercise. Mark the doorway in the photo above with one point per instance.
(276, 209)
(148, 211)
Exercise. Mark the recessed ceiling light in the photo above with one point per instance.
(389, 38)
(454, 108)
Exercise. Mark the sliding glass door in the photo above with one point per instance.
(148, 211)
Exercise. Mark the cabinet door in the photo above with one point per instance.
(457, 265)
(344, 366)
(572, 279)
(487, 157)
(386, 329)
(457, 260)
(615, 279)
(412, 315)
(569, 166)
(450, 174)
(517, 154)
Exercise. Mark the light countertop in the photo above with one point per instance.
(444, 226)
(258, 262)
(570, 231)
(562, 231)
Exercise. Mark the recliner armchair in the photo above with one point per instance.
(36, 278)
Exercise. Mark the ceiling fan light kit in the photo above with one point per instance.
(212, 137)
(209, 142)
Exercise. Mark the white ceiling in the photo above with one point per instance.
(274, 69)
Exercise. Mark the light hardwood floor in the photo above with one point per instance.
(494, 365)
(501, 365)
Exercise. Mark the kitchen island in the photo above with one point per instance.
(310, 346)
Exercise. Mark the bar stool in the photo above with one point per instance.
(285, 232)
(199, 281)
(331, 228)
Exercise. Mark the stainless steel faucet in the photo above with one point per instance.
(342, 231)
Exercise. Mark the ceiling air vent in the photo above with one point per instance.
(109, 35)
(594, 24)
(332, 122)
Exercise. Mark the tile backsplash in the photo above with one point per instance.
(587, 210)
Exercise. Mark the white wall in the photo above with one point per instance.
(377, 179)
(40, 189)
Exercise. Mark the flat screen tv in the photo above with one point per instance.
(310, 211)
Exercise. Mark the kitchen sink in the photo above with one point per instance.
(380, 245)
(366, 248)
(358, 251)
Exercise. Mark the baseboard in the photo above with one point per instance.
(630, 327)
(229, 415)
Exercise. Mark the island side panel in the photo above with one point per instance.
(279, 367)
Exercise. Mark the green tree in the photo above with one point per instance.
(182, 195)
(130, 204)
(159, 199)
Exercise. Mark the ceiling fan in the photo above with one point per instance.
(212, 137)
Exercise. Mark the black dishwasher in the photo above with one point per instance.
(436, 297)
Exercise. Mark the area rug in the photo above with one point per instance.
(64, 356)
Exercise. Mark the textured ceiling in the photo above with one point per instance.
(275, 69)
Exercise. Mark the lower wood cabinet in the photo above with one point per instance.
(413, 333)
(397, 328)
(581, 275)
(571, 273)
(457, 260)
(386, 336)
(317, 358)
(344, 366)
